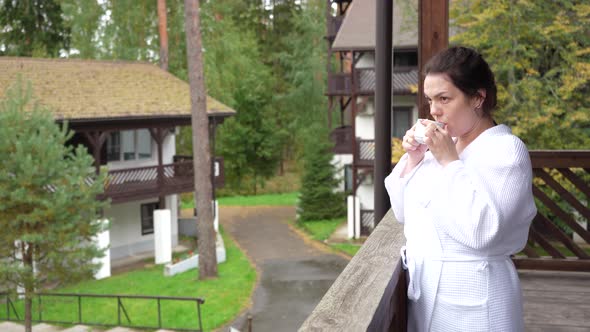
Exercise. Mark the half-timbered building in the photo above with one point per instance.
(127, 115)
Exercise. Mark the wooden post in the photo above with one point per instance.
(212, 132)
(383, 91)
(96, 140)
(433, 36)
(355, 152)
(158, 134)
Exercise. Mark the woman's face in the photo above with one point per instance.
(450, 105)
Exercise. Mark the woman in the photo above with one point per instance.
(465, 198)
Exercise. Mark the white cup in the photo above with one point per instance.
(420, 130)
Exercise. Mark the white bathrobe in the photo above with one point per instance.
(461, 224)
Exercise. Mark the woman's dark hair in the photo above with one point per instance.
(468, 71)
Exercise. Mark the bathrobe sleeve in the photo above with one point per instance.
(396, 186)
(485, 202)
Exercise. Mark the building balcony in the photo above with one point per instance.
(365, 153)
(342, 139)
(341, 84)
(133, 184)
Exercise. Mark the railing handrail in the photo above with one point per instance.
(120, 307)
(146, 297)
(142, 168)
(371, 289)
(560, 158)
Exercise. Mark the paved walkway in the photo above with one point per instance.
(294, 273)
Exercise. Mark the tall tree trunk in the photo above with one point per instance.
(201, 148)
(162, 24)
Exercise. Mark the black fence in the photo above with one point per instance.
(45, 309)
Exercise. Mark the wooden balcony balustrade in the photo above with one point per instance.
(132, 184)
(559, 238)
(341, 84)
(365, 153)
(342, 139)
(367, 222)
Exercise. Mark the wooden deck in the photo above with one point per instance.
(556, 301)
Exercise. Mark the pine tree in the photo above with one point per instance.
(201, 149)
(48, 205)
(319, 198)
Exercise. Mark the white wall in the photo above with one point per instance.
(168, 148)
(125, 232)
(365, 126)
(366, 194)
(339, 161)
(367, 60)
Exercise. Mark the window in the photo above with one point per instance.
(405, 58)
(401, 121)
(129, 145)
(114, 146)
(147, 217)
(347, 178)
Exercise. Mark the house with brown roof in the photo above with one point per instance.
(351, 35)
(127, 115)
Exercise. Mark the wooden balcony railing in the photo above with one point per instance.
(340, 84)
(365, 153)
(342, 139)
(559, 238)
(367, 222)
(143, 182)
(139, 183)
(370, 294)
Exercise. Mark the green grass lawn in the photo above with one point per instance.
(350, 248)
(321, 230)
(286, 199)
(224, 297)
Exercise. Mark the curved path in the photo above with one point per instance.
(294, 273)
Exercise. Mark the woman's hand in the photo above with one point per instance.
(414, 149)
(440, 143)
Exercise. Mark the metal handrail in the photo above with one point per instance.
(120, 307)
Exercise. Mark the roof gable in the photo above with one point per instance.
(358, 30)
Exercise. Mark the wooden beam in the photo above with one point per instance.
(551, 264)
(159, 134)
(96, 140)
(433, 36)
